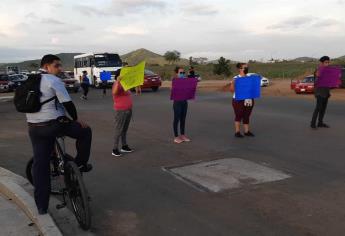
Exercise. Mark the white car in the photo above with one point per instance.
(264, 81)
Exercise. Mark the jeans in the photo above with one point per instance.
(320, 109)
(180, 114)
(43, 140)
(122, 121)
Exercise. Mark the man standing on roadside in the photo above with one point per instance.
(50, 122)
(322, 95)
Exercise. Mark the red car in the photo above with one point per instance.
(151, 81)
(304, 86)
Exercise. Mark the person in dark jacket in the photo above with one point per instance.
(322, 95)
(85, 84)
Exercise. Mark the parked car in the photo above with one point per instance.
(265, 82)
(151, 81)
(17, 80)
(5, 83)
(304, 86)
(71, 84)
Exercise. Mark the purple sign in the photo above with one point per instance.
(183, 89)
(329, 77)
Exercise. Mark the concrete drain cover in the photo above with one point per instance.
(224, 174)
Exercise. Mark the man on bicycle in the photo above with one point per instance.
(51, 122)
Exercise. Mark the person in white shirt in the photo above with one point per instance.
(50, 122)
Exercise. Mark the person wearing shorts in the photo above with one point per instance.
(242, 108)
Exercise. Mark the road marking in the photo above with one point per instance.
(6, 98)
(224, 174)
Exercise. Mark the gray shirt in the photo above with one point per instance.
(50, 86)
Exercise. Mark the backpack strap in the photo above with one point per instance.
(49, 100)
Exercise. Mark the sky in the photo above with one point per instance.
(237, 30)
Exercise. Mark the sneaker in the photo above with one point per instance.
(178, 140)
(85, 168)
(184, 138)
(126, 149)
(249, 134)
(323, 125)
(239, 135)
(313, 126)
(116, 153)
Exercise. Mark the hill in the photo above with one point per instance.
(305, 59)
(67, 59)
(150, 57)
(341, 58)
(132, 58)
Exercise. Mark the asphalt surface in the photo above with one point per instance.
(132, 195)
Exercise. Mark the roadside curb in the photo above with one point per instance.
(10, 186)
(6, 98)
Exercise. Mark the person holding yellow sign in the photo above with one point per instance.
(129, 78)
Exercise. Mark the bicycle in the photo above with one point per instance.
(63, 165)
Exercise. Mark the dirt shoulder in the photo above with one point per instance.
(278, 87)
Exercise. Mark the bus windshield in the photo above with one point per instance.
(108, 60)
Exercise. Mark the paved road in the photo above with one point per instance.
(134, 196)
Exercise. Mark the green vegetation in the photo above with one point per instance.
(222, 67)
(157, 63)
(172, 56)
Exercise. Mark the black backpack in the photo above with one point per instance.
(27, 96)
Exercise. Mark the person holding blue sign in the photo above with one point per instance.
(243, 99)
(105, 77)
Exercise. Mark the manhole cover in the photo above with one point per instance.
(223, 174)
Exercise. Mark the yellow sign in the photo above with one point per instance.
(132, 76)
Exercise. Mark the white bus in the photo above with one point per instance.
(94, 64)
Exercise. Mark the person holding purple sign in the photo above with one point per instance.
(180, 108)
(242, 108)
(322, 94)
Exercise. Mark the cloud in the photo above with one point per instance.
(128, 30)
(203, 10)
(3, 35)
(31, 15)
(67, 29)
(293, 23)
(51, 21)
(121, 7)
(326, 23)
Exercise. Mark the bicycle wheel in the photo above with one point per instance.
(78, 195)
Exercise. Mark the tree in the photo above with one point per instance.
(34, 66)
(222, 67)
(172, 56)
(191, 62)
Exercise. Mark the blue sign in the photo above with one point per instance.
(248, 87)
(105, 76)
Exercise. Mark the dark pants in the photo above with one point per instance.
(180, 114)
(43, 140)
(320, 109)
(104, 87)
(85, 88)
(122, 121)
(242, 113)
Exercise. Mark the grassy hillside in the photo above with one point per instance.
(151, 58)
(66, 58)
(157, 63)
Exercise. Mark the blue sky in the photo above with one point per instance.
(238, 30)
